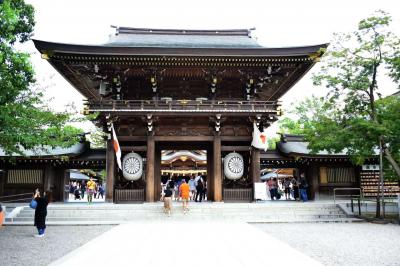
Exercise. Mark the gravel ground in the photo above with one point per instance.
(342, 243)
(19, 247)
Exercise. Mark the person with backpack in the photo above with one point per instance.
(101, 192)
(77, 193)
(199, 189)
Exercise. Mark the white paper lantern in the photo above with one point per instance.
(233, 166)
(132, 166)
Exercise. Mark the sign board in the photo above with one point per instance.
(260, 191)
(370, 167)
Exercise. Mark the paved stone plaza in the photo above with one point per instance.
(342, 243)
(160, 243)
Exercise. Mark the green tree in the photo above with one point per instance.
(97, 139)
(26, 122)
(353, 116)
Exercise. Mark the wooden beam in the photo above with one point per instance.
(133, 148)
(236, 138)
(132, 138)
(235, 148)
(217, 174)
(150, 169)
(183, 138)
(110, 171)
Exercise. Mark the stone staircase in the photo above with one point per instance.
(266, 212)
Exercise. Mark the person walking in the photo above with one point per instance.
(168, 200)
(2, 214)
(199, 189)
(192, 185)
(286, 187)
(91, 187)
(303, 188)
(295, 188)
(101, 191)
(40, 212)
(184, 191)
(171, 185)
(83, 189)
(204, 192)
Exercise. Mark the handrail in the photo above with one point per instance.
(360, 196)
(16, 200)
(16, 197)
(9, 196)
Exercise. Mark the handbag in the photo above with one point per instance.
(33, 204)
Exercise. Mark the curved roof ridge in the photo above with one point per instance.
(212, 32)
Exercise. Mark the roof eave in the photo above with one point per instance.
(52, 47)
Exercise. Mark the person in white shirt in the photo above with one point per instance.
(192, 186)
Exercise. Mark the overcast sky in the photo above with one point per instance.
(278, 23)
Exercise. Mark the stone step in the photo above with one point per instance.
(294, 205)
(67, 215)
(193, 214)
(245, 212)
(51, 211)
(179, 212)
(247, 219)
(192, 207)
(172, 218)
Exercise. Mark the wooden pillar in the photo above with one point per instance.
(110, 171)
(58, 186)
(48, 177)
(210, 178)
(150, 169)
(217, 182)
(64, 182)
(312, 177)
(255, 171)
(157, 174)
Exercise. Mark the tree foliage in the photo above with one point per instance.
(26, 122)
(353, 116)
(97, 138)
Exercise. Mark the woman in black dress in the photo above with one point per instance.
(40, 212)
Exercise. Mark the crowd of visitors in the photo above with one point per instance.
(91, 188)
(294, 188)
(185, 189)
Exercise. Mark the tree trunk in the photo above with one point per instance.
(378, 206)
(395, 165)
(380, 183)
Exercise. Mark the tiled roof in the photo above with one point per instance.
(139, 37)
